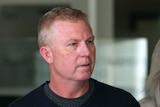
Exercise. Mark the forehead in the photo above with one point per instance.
(71, 24)
(69, 28)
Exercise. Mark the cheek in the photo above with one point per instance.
(93, 57)
(67, 64)
(69, 59)
(66, 60)
(93, 53)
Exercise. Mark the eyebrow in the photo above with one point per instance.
(91, 37)
(76, 39)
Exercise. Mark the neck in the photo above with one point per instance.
(69, 89)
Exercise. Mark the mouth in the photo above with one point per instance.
(85, 66)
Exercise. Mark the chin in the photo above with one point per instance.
(85, 77)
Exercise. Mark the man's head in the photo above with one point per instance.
(66, 43)
(59, 13)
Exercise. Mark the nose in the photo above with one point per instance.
(84, 49)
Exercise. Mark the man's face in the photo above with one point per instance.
(73, 50)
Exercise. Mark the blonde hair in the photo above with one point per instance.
(153, 80)
(58, 13)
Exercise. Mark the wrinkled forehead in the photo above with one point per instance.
(69, 29)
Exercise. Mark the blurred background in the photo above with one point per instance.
(126, 34)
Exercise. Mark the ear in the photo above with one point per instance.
(46, 53)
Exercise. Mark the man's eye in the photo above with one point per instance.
(73, 44)
(90, 41)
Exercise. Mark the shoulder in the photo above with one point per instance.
(114, 95)
(27, 100)
(109, 89)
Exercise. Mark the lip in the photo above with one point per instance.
(84, 66)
